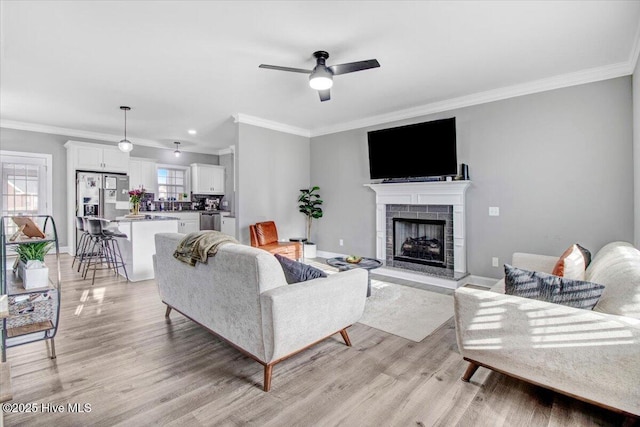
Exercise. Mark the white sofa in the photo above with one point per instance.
(241, 296)
(592, 355)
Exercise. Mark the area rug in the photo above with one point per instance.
(401, 310)
(408, 312)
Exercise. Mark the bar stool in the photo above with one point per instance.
(81, 246)
(85, 246)
(104, 253)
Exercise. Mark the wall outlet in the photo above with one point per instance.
(495, 262)
(341, 242)
(494, 211)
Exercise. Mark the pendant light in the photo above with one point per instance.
(177, 152)
(125, 145)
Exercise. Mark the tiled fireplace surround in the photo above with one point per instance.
(423, 200)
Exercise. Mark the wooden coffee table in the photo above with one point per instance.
(367, 263)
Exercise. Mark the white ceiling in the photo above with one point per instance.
(67, 66)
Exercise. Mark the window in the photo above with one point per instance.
(25, 180)
(171, 183)
(26, 184)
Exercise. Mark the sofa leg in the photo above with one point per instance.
(345, 337)
(268, 369)
(471, 369)
(166, 313)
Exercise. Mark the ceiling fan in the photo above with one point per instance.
(321, 77)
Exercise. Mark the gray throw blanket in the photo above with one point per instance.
(197, 246)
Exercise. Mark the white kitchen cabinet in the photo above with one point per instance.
(188, 221)
(188, 226)
(142, 173)
(97, 157)
(228, 225)
(207, 179)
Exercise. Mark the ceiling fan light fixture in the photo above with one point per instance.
(125, 145)
(321, 79)
(177, 152)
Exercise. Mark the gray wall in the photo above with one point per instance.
(272, 168)
(227, 160)
(167, 156)
(558, 164)
(36, 142)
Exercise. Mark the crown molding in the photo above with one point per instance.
(76, 133)
(33, 127)
(229, 150)
(264, 123)
(557, 82)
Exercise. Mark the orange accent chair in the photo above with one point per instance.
(264, 235)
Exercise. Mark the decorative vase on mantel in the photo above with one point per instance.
(135, 210)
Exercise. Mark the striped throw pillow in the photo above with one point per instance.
(551, 288)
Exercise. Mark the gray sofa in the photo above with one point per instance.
(241, 296)
(590, 355)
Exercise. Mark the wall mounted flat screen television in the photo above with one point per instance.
(416, 151)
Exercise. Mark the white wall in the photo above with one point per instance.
(272, 168)
(636, 150)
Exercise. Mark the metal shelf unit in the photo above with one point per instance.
(33, 313)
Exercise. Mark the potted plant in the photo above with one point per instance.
(310, 202)
(31, 267)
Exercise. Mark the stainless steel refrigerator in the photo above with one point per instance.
(105, 195)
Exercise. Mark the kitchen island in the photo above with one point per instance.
(139, 245)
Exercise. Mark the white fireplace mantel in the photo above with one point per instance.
(424, 193)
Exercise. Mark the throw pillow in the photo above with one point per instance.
(573, 263)
(551, 288)
(295, 271)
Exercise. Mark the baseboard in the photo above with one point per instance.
(325, 254)
(486, 282)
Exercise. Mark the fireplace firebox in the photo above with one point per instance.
(420, 241)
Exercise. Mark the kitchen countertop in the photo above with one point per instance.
(183, 210)
(215, 212)
(147, 218)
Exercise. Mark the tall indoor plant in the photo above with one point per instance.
(309, 204)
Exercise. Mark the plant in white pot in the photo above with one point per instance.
(31, 267)
(310, 202)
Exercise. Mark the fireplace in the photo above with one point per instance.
(421, 241)
(444, 201)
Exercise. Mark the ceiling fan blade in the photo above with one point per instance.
(325, 95)
(354, 66)
(276, 67)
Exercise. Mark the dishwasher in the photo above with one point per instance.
(210, 221)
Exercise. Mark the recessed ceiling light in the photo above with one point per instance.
(192, 131)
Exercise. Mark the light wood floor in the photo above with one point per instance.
(117, 353)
